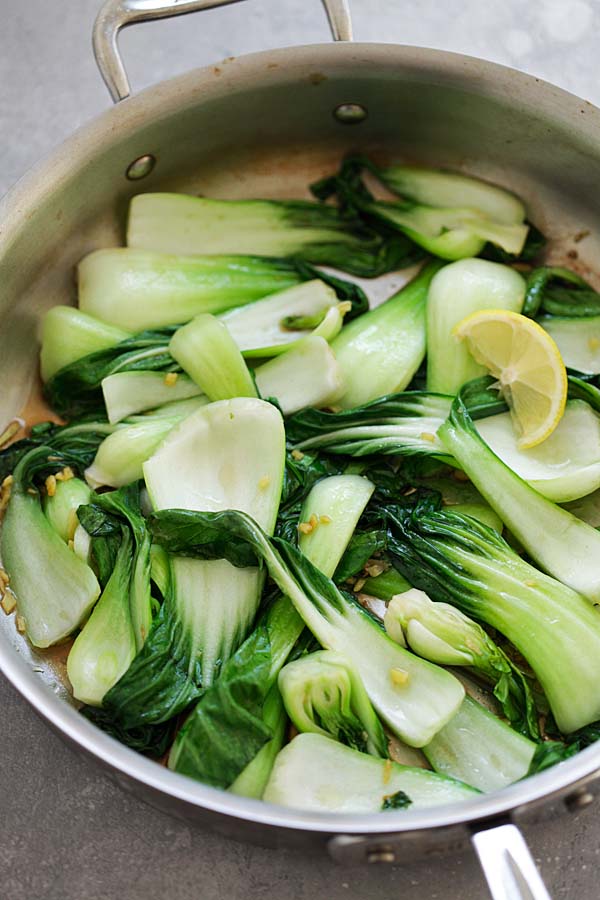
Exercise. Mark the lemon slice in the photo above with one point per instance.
(528, 365)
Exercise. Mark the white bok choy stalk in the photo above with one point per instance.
(68, 334)
(443, 634)
(380, 351)
(55, 590)
(61, 507)
(323, 694)
(205, 462)
(565, 466)
(561, 544)
(205, 350)
(268, 327)
(233, 724)
(413, 697)
(129, 393)
(317, 774)
(449, 214)
(480, 749)
(459, 289)
(121, 455)
(307, 375)
(578, 340)
(309, 231)
(139, 289)
(121, 620)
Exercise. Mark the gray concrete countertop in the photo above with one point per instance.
(68, 832)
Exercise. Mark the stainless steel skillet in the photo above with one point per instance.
(265, 125)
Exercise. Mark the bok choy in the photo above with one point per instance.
(323, 694)
(561, 544)
(204, 462)
(457, 290)
(315, 773)
(236, 701)
(177, 223)
(55, 590)
(413, 697)
(140, 289)
(379, 352)
(456, 560)
(435, 210)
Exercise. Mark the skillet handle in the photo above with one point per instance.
(117, 14)
(508, 865)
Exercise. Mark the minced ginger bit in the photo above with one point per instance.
(427, 436)
(325, 520)
(20, 624)
(171, 378)
(66, 474)
(5, 490)
(264, 482)
(51, 485)
(387, 770)
(399, 676)
(8, 602)
(9, 432)
(297, 454)
(305, 527)
(375, 567)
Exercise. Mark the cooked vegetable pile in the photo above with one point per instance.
(336, 557)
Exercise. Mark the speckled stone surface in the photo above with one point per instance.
(67, 832)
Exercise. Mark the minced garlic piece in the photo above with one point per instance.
(593, 343)
(264, 482)
(20, 624)
(8, 602)
(325, 520)
(305, 527)
(427, 436)
(297, 454)
(171, 378)
(530, 582)
(9, 433)
(66, 474)
(387, 771)
(359, 585)
(399, 676)
(313, 520)
(51, 485)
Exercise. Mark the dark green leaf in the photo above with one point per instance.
(559, 292)
(399, 800)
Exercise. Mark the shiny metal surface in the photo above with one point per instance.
(118, 14)
(482, 118)
(509, 868)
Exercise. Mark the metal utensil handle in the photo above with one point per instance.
(117, 14)
(508, 865)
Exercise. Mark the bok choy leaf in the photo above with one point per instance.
(412, 696)
(237, 698)
(318, 234)
(211, 604)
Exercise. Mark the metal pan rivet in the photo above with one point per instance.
(381, 856)
(578, 800)
(140, 167)
(350, 113)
